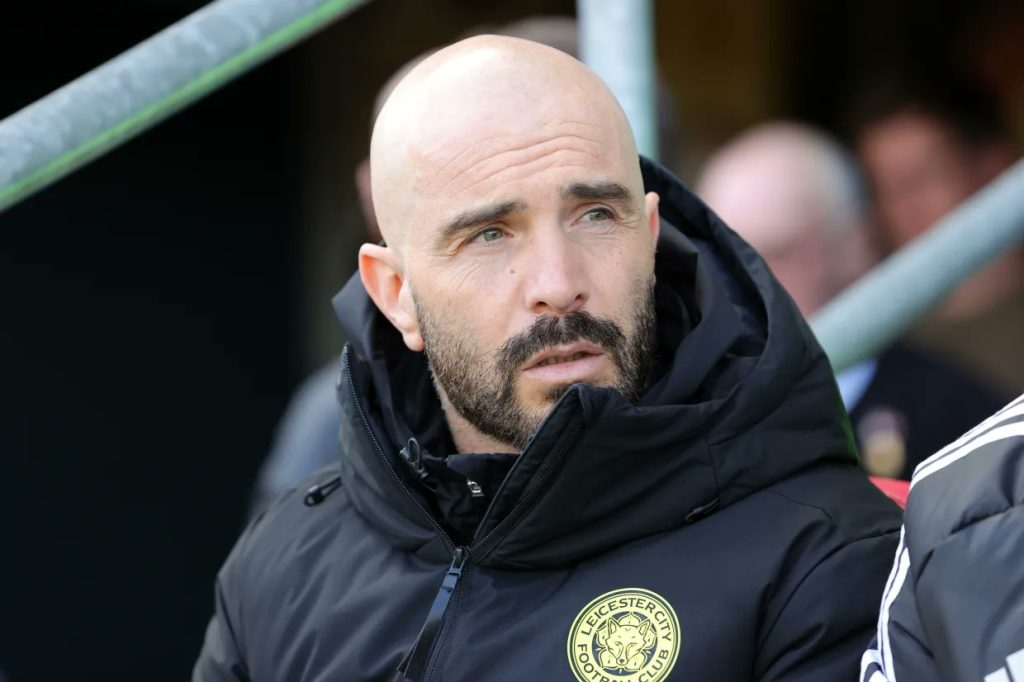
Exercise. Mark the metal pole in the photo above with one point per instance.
(617, 42)
(139, 88)
(877, 309)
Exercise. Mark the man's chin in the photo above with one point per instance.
(538, 402)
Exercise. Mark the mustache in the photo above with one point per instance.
(549, 330)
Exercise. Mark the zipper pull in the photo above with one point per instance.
(475, 489)
(319, 492)
(412, 455)
(415, 662)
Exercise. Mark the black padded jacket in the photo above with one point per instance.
(717, 529)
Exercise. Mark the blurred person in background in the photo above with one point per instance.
(578, 412)
(797, 196)
(307, 435)
(926, 148)
(306, 438)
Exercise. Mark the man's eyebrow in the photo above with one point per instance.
(611, 192)
(478, 217)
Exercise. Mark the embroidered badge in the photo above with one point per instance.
(883, 441)
(627, 635)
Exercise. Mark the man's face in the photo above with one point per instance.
(919, 173)
(506, 393)
(768, 203)
(783, 188)
(532, 270)
(521, 243)
(802, 261)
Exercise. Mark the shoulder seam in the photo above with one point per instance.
(925, 561)
(984, 517)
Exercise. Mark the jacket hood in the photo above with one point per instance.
(744, 398)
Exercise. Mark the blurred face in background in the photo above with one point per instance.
(920, 170)
(789, 239)
(786, 189)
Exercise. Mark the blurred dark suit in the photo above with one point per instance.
(914, 404)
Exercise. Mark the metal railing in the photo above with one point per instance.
(878, 308)
(617, 42)
(116, 101)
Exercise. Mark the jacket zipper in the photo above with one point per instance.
(437, 652)
(415, 662)
(413, 666)
(380, 452)
(555, 460)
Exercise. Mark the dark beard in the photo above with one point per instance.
(481, 388)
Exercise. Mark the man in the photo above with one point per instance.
(307, 435)
(588, 437)
(797, 197)
(926, 149)
(953, 607)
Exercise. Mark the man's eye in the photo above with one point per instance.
(595, 215)
(491, 234)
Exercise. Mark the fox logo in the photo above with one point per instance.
(629, 635)
(625, 643)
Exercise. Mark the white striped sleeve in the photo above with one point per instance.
(900, 642)
(876, 663)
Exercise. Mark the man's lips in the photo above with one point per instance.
(565, 363)
(563, 354)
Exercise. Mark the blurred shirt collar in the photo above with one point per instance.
(854, 381)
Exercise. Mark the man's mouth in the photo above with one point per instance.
(566, 364)
(557, 355)
(554, 360)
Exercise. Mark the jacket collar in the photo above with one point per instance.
(746, 398)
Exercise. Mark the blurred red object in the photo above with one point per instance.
(895, 489)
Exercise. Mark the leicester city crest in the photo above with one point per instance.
(627, 635)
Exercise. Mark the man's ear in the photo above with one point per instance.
(381, 271)
(651, 200)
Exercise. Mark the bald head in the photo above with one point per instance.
(786, 174)
(481, 112)
(507, 185)
(797, 197)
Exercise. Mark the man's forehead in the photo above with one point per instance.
(470, 125)
(492, 161)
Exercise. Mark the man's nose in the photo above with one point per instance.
(556, 276)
